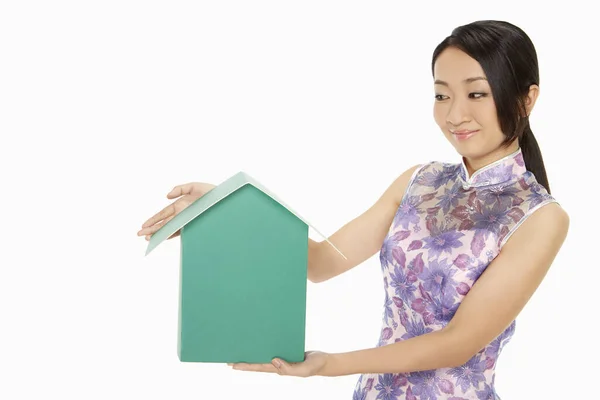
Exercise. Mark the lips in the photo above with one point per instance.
(464, 133)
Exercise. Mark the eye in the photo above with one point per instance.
(477, 95)
(440, 97)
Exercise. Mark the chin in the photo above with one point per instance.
(472, 148)
(463, 149)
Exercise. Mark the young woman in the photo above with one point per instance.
(463, 246)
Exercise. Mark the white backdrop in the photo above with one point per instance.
(105, 106)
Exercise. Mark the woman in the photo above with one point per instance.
(463, 246)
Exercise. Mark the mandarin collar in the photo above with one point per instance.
(506, 169)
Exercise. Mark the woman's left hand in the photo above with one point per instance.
(313, 364)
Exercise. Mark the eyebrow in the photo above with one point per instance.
(468, 80)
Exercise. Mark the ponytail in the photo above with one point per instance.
(533, 156)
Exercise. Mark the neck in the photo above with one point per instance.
(475, 164)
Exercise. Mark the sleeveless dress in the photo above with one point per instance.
(446, 231)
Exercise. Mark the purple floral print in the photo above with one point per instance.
(407, 213)
(445, 233)
(388, 387)
(469, 374)
(443, 242)
(403, 283)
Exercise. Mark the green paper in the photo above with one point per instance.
(243, 275)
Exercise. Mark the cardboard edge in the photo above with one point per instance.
(269, 193)
(176, 223)
(242, 179)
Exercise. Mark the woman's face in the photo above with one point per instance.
(464, 107)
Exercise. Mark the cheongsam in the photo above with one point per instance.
(446, 231)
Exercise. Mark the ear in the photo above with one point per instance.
(532, 95)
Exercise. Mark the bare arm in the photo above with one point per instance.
(360, 238)
(493, 302)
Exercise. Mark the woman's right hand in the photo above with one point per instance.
(185, 194)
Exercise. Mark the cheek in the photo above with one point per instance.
(487, 119)
(439, 115)
(486, 115)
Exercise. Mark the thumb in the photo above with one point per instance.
(283, 368)
(180, 190)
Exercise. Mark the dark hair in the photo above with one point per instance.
(509, 60)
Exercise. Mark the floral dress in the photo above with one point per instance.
(447, 230)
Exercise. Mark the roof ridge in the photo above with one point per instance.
(215, 195)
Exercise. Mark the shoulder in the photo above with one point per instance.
(533, 193)
(550, 216)
(437, 167)
(433, 168)
(400, 185)
(435, 174)
(544, 230)
(417, 173)
(404, 180)
(541, 215)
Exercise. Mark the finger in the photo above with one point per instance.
(270, 368)
(284, 368)
(180, 190)
(251, 367)
(164, 213)
(153, 229)
(148, 237)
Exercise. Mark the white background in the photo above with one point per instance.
(106, 105)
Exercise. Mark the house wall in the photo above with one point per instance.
(243, 282)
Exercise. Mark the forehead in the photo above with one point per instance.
(454, 66)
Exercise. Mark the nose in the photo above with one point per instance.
(457, 113)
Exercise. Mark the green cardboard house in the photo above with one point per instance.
(243, 275)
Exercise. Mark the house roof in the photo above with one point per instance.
(211, 198)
